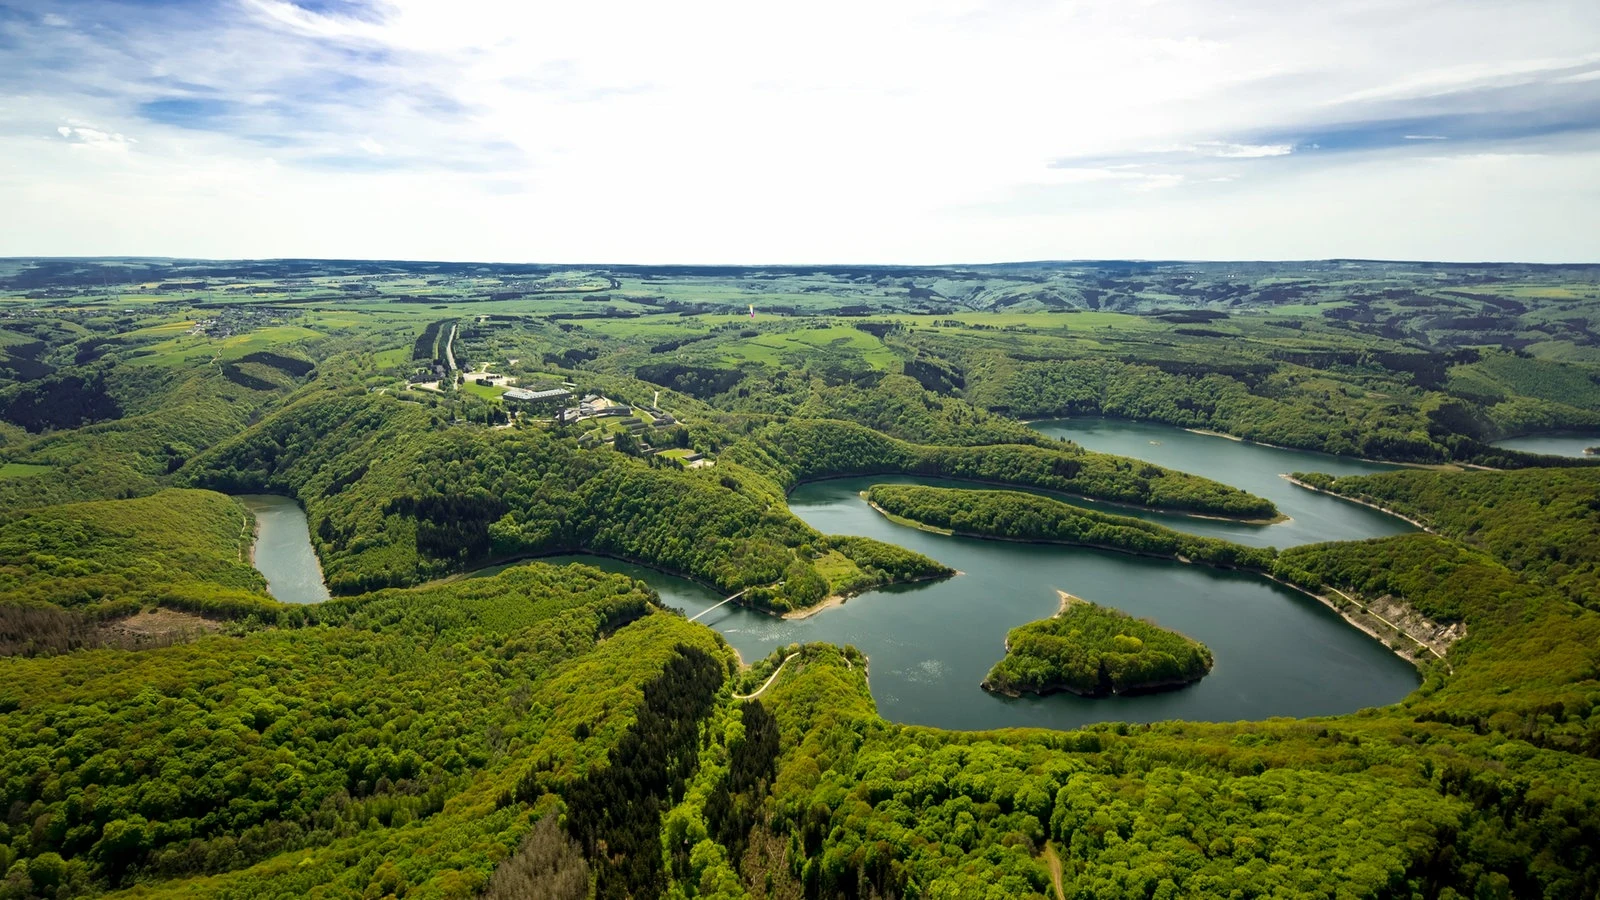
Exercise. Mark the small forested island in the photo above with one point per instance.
(1095, 651)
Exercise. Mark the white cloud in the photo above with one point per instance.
(1469, 76)
(1243, 151)
(1578, 77)
(84, 137)
(727, 131)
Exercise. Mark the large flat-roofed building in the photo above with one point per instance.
(518, 395)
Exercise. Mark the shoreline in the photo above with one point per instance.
(1278, 519)
(1066, 601)
(934, 529)
(1045, 690)
(827, 603)
(1448, 467)
(1366, 628)
(1324, 600)
(247, 552)
(1440, 467)
(1367, 503)
(832, 600)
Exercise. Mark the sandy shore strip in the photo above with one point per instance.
(1066, 601)
(1370, 505)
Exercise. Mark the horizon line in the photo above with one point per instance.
(814, 265)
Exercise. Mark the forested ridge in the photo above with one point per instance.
(394, 499)
(1028, 517)
(1378, 410)
(554, 732)
(805, 450)
(1543, 523)
(401, 707)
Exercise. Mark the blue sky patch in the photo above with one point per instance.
(205, 113)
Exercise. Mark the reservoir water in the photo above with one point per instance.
(1256, 468)
(1278, 652)
(283, 549)
(1558, 444)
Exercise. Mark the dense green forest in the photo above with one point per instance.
(394, 498)
(1027, 517)
(806, 450)
(1095, 651)
(65, 570)
(1544, 524)
(556, 732)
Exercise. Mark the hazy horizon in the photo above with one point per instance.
(826, 264)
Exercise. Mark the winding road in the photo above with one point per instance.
(775, 672)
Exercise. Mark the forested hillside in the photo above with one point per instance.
(804, 450)
(65, 569)
(557, 732)
(1544, 523)
(395, 498)
(1010, 515)
(375, 740)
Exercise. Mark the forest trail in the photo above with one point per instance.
(1054, 862)
(760, 690)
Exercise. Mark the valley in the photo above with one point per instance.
(468, 612)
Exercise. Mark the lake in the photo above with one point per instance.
(1278, 652)
(1567, 443)
(1256, 468)
(283, 549)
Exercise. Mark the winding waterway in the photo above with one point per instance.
(1571, 443)
(283, 549)
(1278, 652)
(1256, 468)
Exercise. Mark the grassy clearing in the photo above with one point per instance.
(397, 356)
(166, 328)
(265, 339)
(836, 567)
(773, 348)
(22, 470)
(486, 391)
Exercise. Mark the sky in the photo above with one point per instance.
(934, 131)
